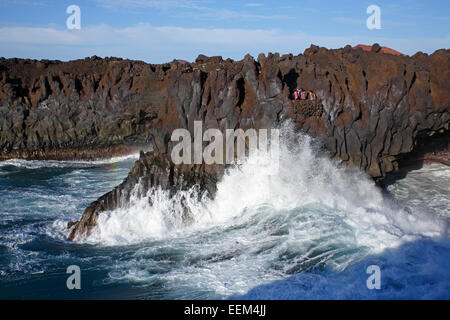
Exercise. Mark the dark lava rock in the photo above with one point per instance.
(376, 48)
(149, 171)
(372, 109)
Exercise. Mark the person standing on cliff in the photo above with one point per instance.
(302, 94)
(299, 93)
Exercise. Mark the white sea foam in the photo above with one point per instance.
(304, 179)
(313, 225)
(436, 194)
(37, 164)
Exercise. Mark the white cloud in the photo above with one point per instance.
(362, 22)
(202, 11)
(161, 4)
(22, 2)
(347, 20)
(254, 5)
(161, 44)
(226, 14)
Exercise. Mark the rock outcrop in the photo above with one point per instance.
(78, 109)
(372, 108)
(150, 171)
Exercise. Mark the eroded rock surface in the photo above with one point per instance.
(372, 108)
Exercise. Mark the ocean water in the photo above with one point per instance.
(306, 229)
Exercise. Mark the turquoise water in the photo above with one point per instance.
(307, 231)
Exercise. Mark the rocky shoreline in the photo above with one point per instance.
(374, 110)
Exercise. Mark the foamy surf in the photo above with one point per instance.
(311, 214)
(36, 164)
(304, 178)
(308, 230)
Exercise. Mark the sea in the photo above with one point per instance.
(308, 228)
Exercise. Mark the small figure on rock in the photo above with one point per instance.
(302, 94)
(297, 94)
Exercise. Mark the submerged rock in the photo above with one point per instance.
(372, 108)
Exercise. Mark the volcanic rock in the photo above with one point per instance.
(372, 110)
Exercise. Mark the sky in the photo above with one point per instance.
(160, 31)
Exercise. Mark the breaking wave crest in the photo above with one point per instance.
(314, 194)
(37, 164)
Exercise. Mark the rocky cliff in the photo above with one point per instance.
(372, 108)
(78, 109)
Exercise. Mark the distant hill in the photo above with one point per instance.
(383, 49)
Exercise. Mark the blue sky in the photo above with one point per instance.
(160, 31)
